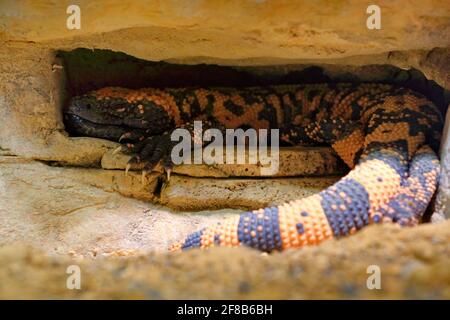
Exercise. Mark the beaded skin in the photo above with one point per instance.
(385, 134)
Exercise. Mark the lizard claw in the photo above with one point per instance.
(124, 136)
(127, 168)
(133, 136)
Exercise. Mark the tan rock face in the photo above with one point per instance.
(413, 261)
(295, 161)
(185, 193)
(285, 29)
(30, 109)
(82, 211)
(88, 211)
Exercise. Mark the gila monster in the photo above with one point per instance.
(384, 133)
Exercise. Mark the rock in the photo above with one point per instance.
(31, 96)
(333, 270)
(76, 194)
(296, 161)
(82, 210)
(185, 193)
(61, 178)
(442, 210)
(180, 29)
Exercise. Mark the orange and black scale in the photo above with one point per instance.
(381, 132)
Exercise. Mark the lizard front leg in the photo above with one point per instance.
(157, 149)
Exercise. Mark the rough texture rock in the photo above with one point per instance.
(413, 263)
(184, 193)
(318, 29)
(443, 195)
(75, 210)
(61, 191)
(30, 109)
(298, 161)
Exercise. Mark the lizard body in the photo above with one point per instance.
(382, 132)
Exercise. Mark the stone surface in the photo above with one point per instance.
(413, 263)
(187, 190)
(61, 190)
(288, 29)
(81, 211)
(296, 161)
(443, 195)
(30, 108)
(185, 193)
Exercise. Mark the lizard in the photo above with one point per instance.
(386, 134)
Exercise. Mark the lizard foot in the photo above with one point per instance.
(150, 152)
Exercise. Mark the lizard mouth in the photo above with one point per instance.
(83, 107)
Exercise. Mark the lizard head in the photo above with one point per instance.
(90, 108)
